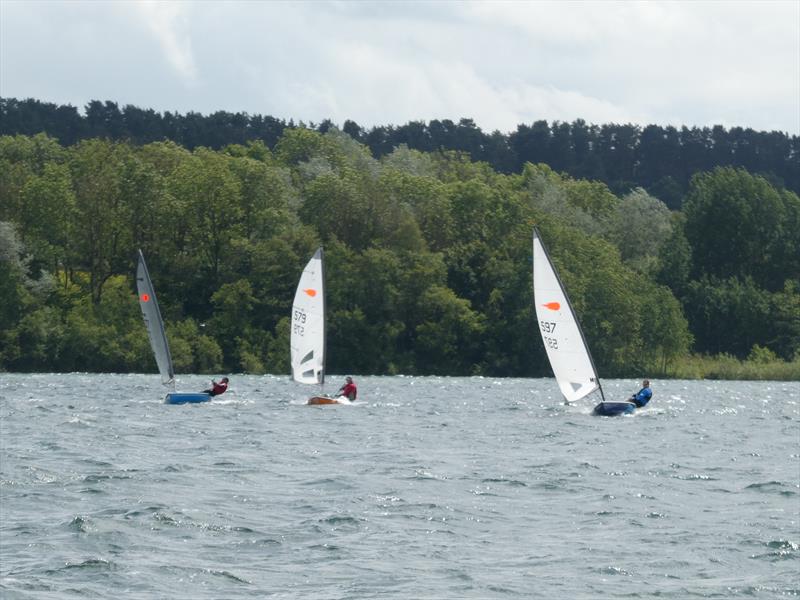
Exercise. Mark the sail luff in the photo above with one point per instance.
(324, 318)
(560, 329)
(154, 323)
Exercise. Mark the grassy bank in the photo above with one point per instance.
(725, 366)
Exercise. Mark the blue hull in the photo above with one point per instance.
(186, 398)
(613, 409)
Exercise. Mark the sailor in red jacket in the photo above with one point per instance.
(217, 388)
(348, 389)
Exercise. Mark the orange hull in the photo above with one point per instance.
(322, 400)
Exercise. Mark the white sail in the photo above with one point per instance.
(153, 322)
(308, 324)
(561, 333)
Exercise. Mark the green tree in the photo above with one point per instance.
(266, 196)
(193, 351)
(448, 338)
(424, 199)
(205, 222)
(338, 207)
(47, 216)
(665, 330)
(363, 303)
(101, 232)
(734, 226)
(94, 335)
(729, 315)
(675, 259)
(15, 299)
(786, 321)
(277, 352)
(231, 323)
(639, 227)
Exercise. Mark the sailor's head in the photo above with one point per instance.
(348, 379)
(646, 383)
(225, 379)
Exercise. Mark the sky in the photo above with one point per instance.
(694, 63)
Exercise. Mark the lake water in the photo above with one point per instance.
(428, 488)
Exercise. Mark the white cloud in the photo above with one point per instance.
(499, 63)
(169, 24)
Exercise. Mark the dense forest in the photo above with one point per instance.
(428, 258)
(661, 160)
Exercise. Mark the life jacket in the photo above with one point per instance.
(219, 388)
(643, 397)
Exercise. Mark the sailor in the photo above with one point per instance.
(643, 396)
(348, 389)
(217, 388)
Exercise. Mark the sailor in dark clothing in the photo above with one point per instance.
(217, 388)
(348, 389)
(643, 396)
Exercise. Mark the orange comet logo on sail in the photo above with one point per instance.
(145, 297)
(552, 305)
(311, 292)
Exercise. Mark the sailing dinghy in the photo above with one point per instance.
(563, 338)
(307, 342)
(158, 338)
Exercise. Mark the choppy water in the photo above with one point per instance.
(430, 488)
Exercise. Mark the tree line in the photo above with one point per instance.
(660, 159)
(428, 258)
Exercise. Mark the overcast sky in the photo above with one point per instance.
(379, 63)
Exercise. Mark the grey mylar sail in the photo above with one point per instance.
(154, 323)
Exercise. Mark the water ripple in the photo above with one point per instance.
(433, 488)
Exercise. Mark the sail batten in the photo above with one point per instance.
(308, 324)
(154, 323)
(563, 339)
